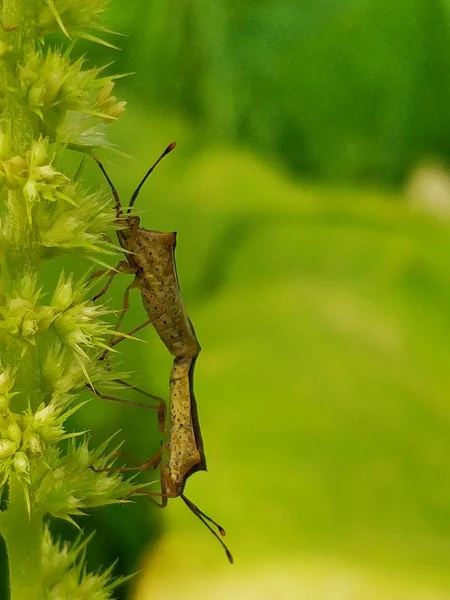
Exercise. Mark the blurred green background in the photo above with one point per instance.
(319, 292)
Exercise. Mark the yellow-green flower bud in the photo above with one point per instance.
(37, 94)
(7, 448)
(46, 173)
(33, 444)
(54, 363)
(63, 296)
(28, 288)
(6, 381)
(44, 414)
(19, 306)
(20, 317)
(73, 502)
(107, 104)
(4, 405)
(26, 74)
(21, 463)
(29, 328)
(53, 85)
(105, 93)
(38, 152)
(58, 475)
(77, 336)
(14, 170)
(14, 432)
(31, 191)
(87, 313)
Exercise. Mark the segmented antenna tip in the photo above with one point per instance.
(170, 147)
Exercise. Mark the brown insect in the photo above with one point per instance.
(151, 259)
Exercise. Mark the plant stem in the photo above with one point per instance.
(23, 536)
(23, 256)
(23, 129)
(22, 532)
(23, 15)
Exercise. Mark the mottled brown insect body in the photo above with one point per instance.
(151, 259)
(152, 255)
(186, 455)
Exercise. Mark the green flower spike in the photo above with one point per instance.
(64, 574)
(35, 175)
(78, 323)
(21, 315)
(50, 342)
(66, 484)
(74, 20)
(78, 226)
(70, 101)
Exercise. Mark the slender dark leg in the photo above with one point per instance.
(164, 497)
(131, 333)
(166, 484)
(109, 281)
(152, 463)
(123, 312)
(125, 307)
(161, 407)
(138, 328)
(122, 267)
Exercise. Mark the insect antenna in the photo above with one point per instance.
(118, 206)
(196, 509)
(204, 518)
(169, 148)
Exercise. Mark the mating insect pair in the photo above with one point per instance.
(150, 257)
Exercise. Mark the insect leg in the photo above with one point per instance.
(150, 495)
(143, 492)
(152, 463)
(126, 305)
(161, 407)
(122, 267)
(132, 332)
(138, 328)
(166, 484)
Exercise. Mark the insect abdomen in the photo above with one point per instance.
(185, 453)
(161, 294)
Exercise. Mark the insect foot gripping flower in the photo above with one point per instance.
(50, 335)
